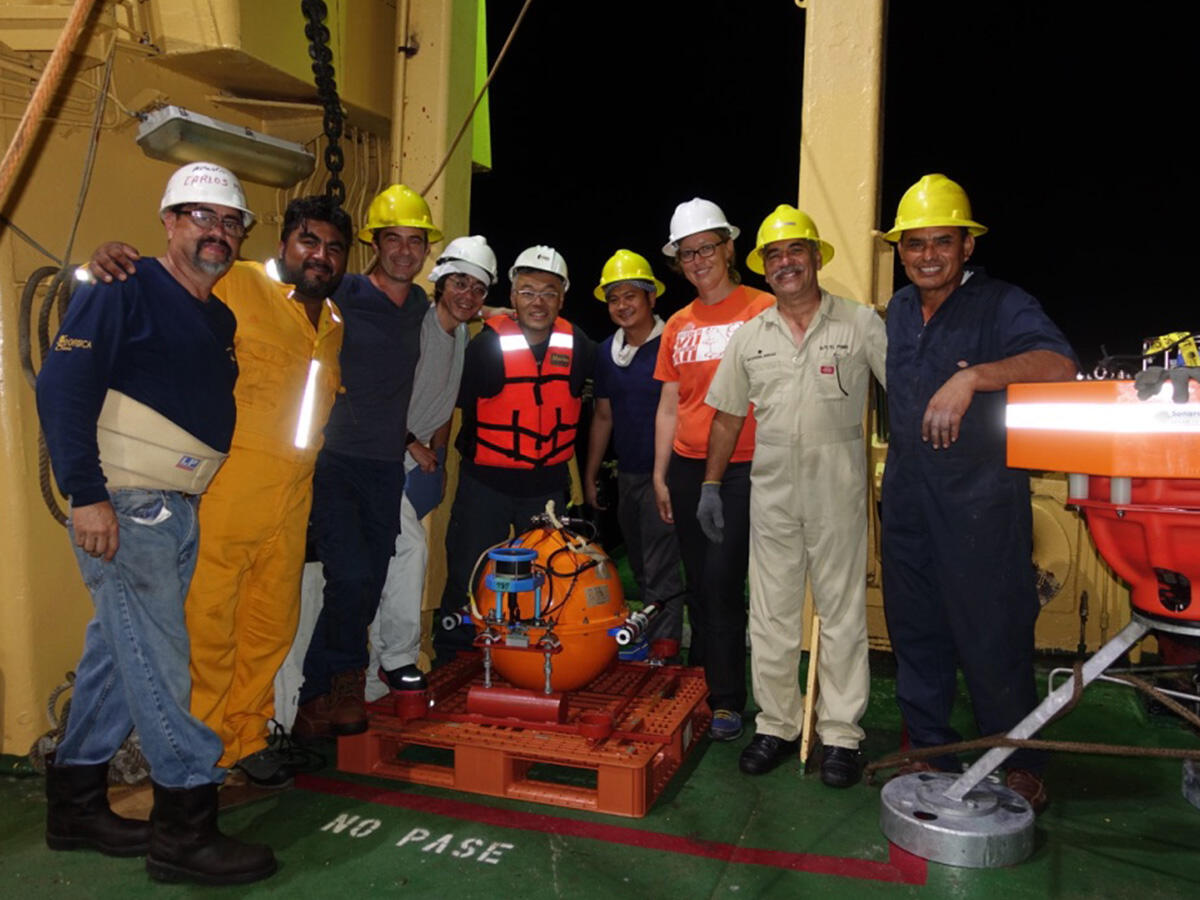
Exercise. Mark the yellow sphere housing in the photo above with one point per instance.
(934, 201)
(399, 206)
(786, 223)
(625, 265)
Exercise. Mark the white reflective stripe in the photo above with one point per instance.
(1156, 416)
(511, 342)
(559, 339)
(304, 423)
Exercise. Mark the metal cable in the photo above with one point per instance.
(478, 98)
(28, 238)
(902, 757)
(59, 292)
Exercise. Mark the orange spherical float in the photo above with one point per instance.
(550, 596)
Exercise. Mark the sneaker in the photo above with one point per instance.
(841, 767)
(267, 769)
(1029, 786)
(726, 725)
(405, 678)
(765, 752)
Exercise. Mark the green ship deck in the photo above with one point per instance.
(1116, 827)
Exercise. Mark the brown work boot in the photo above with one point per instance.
(1029, 786)
(312, 720)
(347, 710)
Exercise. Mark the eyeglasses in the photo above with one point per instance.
(704, 251)
(549, 295)
(465, 284)
(207, 219)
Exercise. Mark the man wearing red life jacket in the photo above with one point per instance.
(520, 397)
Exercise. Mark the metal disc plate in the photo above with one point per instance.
(992, 826)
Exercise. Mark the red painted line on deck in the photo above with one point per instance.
(901, 868)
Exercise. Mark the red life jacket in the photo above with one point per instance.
(532, 421)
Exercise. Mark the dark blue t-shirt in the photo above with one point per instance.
(633, 393)
(150, 339)
(984, 320)
(379, 360)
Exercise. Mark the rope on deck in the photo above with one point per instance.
(904, 757)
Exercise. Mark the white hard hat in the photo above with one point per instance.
(694, 216)
(469, 255)
(205, 182)
(543, 258)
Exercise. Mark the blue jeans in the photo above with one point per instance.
(134, 670)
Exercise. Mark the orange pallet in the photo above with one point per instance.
(658, 713)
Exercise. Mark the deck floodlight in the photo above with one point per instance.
(180, 136)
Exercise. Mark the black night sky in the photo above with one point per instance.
(1065, 124)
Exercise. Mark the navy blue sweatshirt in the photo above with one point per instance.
(150, 339)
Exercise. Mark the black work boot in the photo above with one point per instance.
(78, 816)
(186, 845)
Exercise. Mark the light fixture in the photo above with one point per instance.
(178, 135)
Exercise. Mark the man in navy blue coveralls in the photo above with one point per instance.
(957, 527)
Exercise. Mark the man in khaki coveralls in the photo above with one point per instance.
(805, 366)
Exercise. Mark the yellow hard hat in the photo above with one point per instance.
(625, 265)
(398, 207)
(932, 201)
(786, 223)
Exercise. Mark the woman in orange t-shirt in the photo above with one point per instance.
(693, 342)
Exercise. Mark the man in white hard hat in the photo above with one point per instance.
(805, 365)
(520, 397)
(627, 396)
(136, 402)
(958, 576)
(462, 277)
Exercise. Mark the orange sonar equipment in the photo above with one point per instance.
(1134, 468)
(1102, 428)
(546, 607)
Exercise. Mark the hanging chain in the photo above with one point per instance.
(315, 11)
